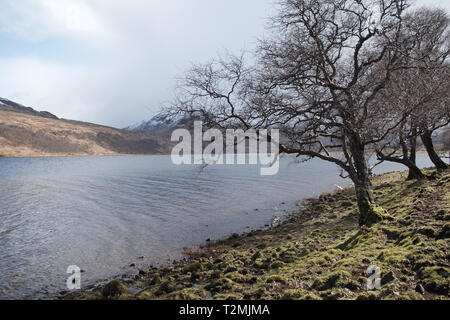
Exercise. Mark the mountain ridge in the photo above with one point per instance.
(9, 105)
(25, 132)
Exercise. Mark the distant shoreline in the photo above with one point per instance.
(80, 156)
(68, 155)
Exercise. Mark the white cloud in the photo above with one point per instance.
(73, 16)
(114, 61)
(138, 47)
(63, 90)
(38, 20)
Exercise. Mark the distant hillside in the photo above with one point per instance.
(161, 127)
(25, 132)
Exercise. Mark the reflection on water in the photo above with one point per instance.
(103, 213)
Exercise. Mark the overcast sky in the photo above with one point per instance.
(114, 62)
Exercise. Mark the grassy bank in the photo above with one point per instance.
(320, 253)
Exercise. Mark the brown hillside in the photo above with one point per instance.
(25, 135)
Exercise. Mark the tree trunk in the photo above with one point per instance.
(366, 201)
(434, 157)
(414, 172)
(368, 212)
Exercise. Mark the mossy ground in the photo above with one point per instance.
(322, 253)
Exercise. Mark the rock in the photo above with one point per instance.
(426, 231)
(113, 289)
(165, 287)
(420, 289)
(156, 280)
(388, 277)
(132, 265)
(193, 267)
(195, 276)
(142, 272)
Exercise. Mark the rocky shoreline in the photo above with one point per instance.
(318, 253)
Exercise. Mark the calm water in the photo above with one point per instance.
(104, 213)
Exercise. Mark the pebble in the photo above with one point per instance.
(142, 272)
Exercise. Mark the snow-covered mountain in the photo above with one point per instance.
(161, 126)
(155, 123)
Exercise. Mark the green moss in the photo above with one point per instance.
(145, 295)
(113, 289)
(276, 278)
(256, 256)
(277, 265)
(187, 294)
(332, 280)
(409, 295)
(367, 296)
(220, 285)
(237, 277)
(392, 233)
(299, 294)
(93, 296)
(165, 287)
(344, 263)
(262, 245)
(377, 214)
(436, 279)
(347, 204)
(254, 293)
(193, 267)
(229, 296)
